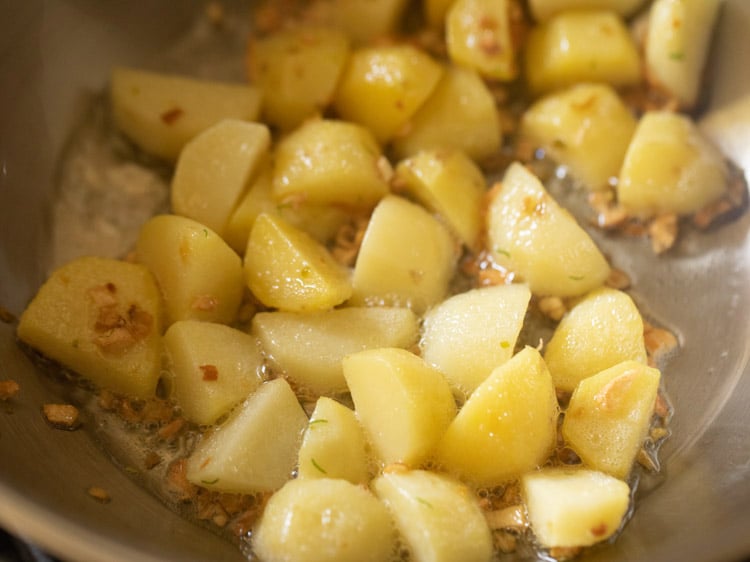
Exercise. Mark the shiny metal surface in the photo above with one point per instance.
(53, 52)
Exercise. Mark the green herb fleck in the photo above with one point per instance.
(576, 277)
(506, 253)
(210, 482)
(205, 232)
(131, 470)
(677, 55)
(316, 465)
(319, 420)
(424, 502)
(505, 344)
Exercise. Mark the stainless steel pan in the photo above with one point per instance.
(54, 53)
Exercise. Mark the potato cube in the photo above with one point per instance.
(670, 167)
(470, 334)
(508, 426)
(322, 222)
(287, 269)
(298, 70)
(439, 518)
(571, 507)
(603, 329)
(448, 183)
(161, 112)
(677, 44)
(479, 35)
(214, 367)
(543, 10)
(321, 520)
(333, 445)
(308, 347)
(199, 275)
(241, 455)
(609, 416)
(581, 46)
(366, 21)
(215, 169)
(460, 114)
(586, 128)
(382, 87)
(101, 318)
(540, 241)
(329, 162)
(403, 404)
(407, 258)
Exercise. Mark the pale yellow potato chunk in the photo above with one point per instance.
(460, 114)
(543, 10)
(213, 368)
(215, 169)
(581, 46)
(470, 334)
(308, 347)
(449, 183)
(540, 241)
(329, 162)
(383, 86)
(508, 426)
(587, 128)
(479, 36)
(162, 112)
(364, 21)
(101, 318)
(199, 275)
(334, 444)
(609, 416)
(670, 167)
(403, 403)
(439, 518)
(321, 520)
(322, 222)
(298, 70)
(569, 507)
(603, 329)
(407, 258)
(243, 455)
(677, 44)
(287, 269)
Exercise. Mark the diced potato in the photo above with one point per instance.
(439, 518)
(603, 329)
(460, 114)
(403, 404)
(322, 222)
(543, 10)
(586, 127)
(448, 183)
(581, 46)
(161, 112)
(214, 367)
(364, 21)
(435, 12)
(298, 70)
(470, 334)
(407, 258)
(609, 416)
(479, 35)
(677, 44)
(329, 162)
(101, 318)
(531, 235)
(383, 86)
(215, 169)
(322, 520)
(670, 167)
(308, 347)
(333, 445)
(287, 269)
(508, 426)
(199, 275)
(570, 507)
(242, 455)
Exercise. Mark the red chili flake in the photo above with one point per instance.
(172, 115)
(210, 372)
(599, 530)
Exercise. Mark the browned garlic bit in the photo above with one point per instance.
(9, 389)
(61, 416)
